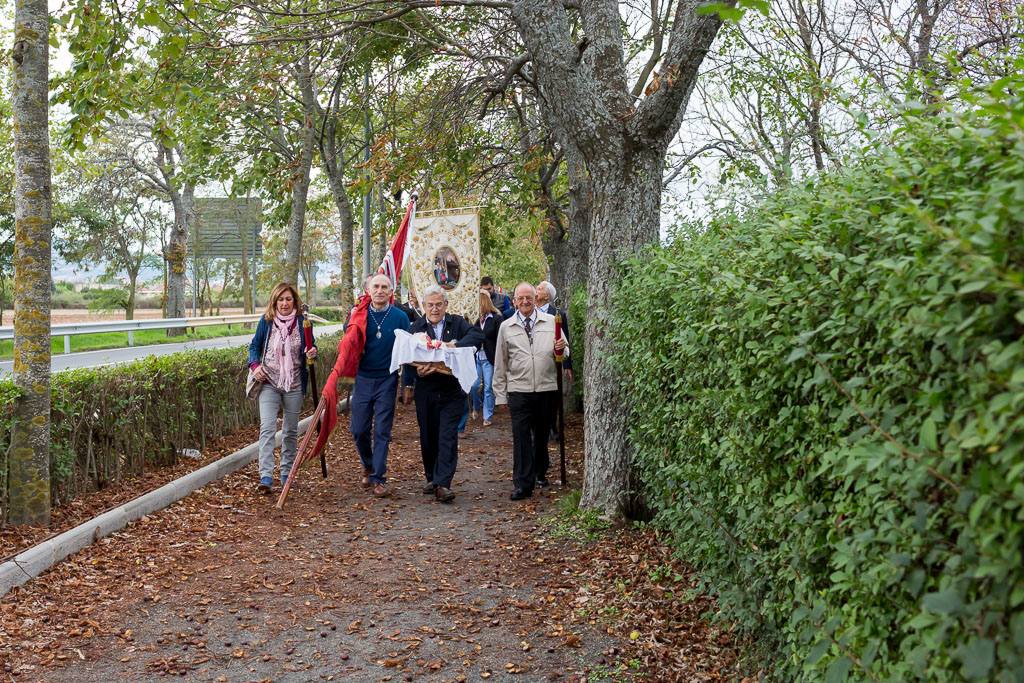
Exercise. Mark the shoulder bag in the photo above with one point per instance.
(254, 386)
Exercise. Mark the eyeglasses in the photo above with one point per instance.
(439, 304)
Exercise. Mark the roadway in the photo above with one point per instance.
(92, 359)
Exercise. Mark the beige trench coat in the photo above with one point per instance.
(520, 366)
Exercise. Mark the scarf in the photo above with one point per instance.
(284, 325)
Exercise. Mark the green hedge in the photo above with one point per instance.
(332, 313)
(115, 422)
(830, 415)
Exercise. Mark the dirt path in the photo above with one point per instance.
(339, 586)
(342, 586)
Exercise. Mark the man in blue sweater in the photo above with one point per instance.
(373, 396)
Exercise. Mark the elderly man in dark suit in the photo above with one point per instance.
(546, 295)
(440, 400)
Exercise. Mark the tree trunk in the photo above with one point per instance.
(300, 178)
(344, 204)
(176, 254)
(627, 201)
(566, 242)
(29, 455)
(176, 257)
(623, 142)
(300, 193)
(129, 311)
(247, 302)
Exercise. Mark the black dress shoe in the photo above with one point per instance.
(429, 489)
(519, 494)
(542, 482)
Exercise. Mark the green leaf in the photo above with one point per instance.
(943, 602)
(726, 12)
(838, 670)
(818, 651)
(974, 286)
(796, 354)
(927, 437)
(978, 656)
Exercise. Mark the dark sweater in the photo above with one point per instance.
(376, 360)
(490, 333)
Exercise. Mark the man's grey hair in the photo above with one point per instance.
(552, 292)
(369, 279)
(432, 290)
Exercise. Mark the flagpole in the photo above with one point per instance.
(367, 246)
(561, 400)
(307, 330)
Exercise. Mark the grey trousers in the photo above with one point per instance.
(271, 401)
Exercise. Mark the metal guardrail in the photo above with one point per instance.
(67, 330)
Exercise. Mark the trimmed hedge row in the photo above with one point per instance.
(115, 422)
(830, 415)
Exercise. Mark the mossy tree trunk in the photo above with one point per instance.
(301, 175)
(29, 459)
(182, 194)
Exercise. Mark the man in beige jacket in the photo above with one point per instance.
(524, 378)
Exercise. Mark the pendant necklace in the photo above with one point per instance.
(383, 318)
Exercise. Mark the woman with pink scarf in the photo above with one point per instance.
(277, 357)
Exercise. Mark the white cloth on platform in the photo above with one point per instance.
(410, 348)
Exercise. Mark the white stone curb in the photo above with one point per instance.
(37, 559)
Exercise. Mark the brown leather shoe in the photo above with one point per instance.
(444, 495)
(429, 488)
(381, 491)
(366, 478)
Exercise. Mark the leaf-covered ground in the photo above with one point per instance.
(343, 586)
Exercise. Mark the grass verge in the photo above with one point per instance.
(116, 340)
(573, 523)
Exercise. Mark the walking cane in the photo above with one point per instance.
(307, 331)
(561, 401)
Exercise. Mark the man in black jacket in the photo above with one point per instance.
(440, 399)
(546, 294)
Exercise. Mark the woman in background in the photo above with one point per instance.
(488, 320)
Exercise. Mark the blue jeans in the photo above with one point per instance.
(484, 375)
(465, 415)
(373, 412)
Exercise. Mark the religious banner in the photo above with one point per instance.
(445, 251)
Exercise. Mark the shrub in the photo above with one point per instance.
(832, 425)
(65, 298)
(114, 422)
(332, 313)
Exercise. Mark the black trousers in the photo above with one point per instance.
(438, 414)
(532, 417)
